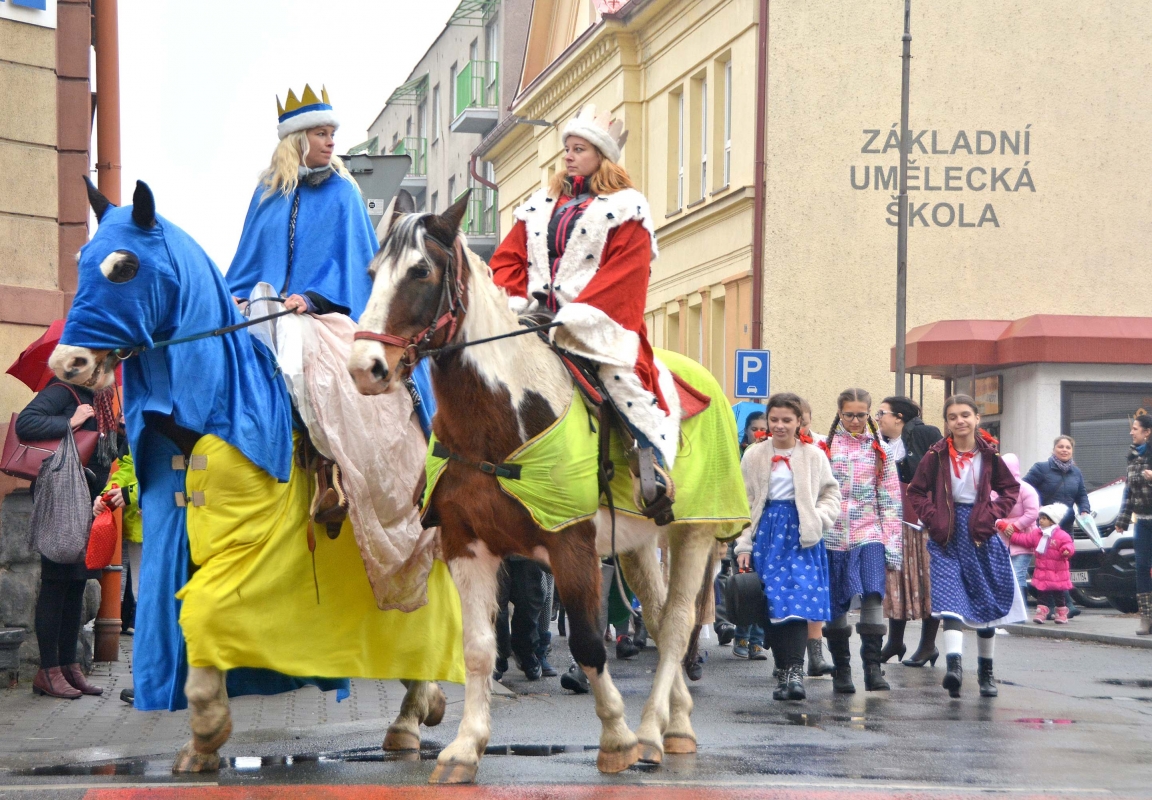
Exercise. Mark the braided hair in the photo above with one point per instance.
(857, 396)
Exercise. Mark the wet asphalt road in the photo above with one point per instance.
(1072, 719)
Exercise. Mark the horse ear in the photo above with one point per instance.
(454, 214)
(143, 206)
(401, 204)
(100, 204)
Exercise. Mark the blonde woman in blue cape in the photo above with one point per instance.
(306, 242)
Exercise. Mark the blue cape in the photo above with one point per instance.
(226, 385)
(334, 243)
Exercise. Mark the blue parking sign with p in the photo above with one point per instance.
(753, 368)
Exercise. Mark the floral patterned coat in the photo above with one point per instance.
(870, 506)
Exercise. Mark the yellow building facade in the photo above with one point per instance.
(681, 75)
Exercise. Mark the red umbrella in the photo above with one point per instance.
(31, 366)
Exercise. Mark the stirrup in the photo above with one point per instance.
(653, 491)
(330, 503)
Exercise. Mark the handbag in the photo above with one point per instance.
(744, 600)
(62, 506)
(22, 459)
(103, 537)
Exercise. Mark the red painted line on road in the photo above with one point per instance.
(560, 792)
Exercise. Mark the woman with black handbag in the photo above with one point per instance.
(794, 499)
(58, 408)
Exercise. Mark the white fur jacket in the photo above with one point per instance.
(817, 493)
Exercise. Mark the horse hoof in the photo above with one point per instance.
(453, 772)
(401, 740)
(679, 744)
(617, 761)
(189, 761)
(650, 753)
(436, 712)
(210, 743)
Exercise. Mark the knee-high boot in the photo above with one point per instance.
(839, 647)
(926, 652)
(894, 647)
(871, 642)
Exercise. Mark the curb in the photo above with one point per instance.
(1045, 632)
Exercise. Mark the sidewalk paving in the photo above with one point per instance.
(1100, 625)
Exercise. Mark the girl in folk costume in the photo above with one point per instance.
(866, 541)
(794, 500)
(908, 594)
(582, 249)
(972, 580)
(307, 236)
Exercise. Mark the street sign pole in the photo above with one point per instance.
(902, 223)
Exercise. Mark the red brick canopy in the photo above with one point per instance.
(950, 347)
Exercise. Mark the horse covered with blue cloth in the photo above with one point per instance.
(237, 594)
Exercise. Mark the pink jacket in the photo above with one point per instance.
(1023, 515)
(1051, 573)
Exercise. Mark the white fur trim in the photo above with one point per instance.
(517, 305)
(640, 407)
(309, 119)
(581, 259)
(591, 333)
(594, 134)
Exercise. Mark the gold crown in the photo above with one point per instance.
(307, 98)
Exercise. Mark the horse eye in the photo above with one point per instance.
(120, 266)
(419, 273)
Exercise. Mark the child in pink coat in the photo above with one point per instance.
(1054, 548)
(1021, 518)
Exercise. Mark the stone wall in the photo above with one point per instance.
(20, 584)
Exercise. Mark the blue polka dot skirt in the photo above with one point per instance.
(795, 578)
(974, 583)
(857, 571)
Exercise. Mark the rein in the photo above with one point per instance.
(124, 353)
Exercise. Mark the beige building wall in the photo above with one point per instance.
(1064, 229)
(638, 67)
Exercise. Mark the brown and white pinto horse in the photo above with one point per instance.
(492, 398)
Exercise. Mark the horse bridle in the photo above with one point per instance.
(451, 296)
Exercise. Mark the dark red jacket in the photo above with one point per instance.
(930, 493)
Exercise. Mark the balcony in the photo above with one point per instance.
(477, 98)
(480, 222)
(416, 148)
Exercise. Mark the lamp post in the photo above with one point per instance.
(902, 223)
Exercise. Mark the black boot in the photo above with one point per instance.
(985, 678)
(838, 646)
(954, 677)
(926, 652)
(817, 666)
(781, 675)
(871, 644)
(894, 647)
(639, 632)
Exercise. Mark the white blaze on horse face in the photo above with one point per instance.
(366, 353)
(81, 366)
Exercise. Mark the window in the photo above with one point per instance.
(435, 203)
(452, 92)
(395, 140)
(474, 50)
(408, 127)
(672, 332)
(435, 112)
(492, 41)
(1097, 416)
(676, 151)
(422, 120)
(718, 342)
(727, 122)
(452, 189)
(703, 138)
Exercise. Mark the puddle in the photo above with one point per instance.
(1139, 683)
(247, 764)
(1036, 723)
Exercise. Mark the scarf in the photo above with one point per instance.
(105, 404)
(958, 459)
(1063, 467)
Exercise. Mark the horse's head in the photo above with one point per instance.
(419, 293)
(123, 293)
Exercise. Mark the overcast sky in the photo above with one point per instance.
(199, 80)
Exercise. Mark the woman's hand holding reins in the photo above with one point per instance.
(296, 303)
(744, 561)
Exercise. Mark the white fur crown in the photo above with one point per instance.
(601, 130)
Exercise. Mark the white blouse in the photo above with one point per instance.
(781, 486)
(964, 487)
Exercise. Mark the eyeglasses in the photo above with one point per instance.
(880, 414)
(862, 415)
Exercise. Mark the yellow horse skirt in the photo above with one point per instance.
(253, 601)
